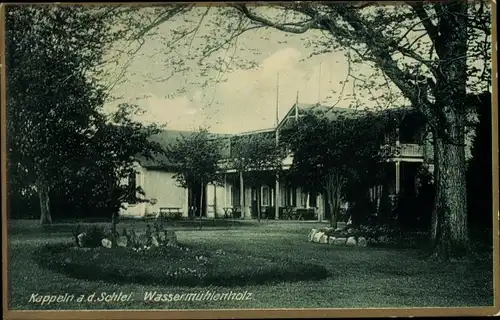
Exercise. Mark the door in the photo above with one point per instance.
(254, 203)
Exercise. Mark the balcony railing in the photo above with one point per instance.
(408, 150)
(403, 150)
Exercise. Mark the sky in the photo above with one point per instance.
(249, 98)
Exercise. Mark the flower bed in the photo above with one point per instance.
(158, 259)
(339, 237)
(367, 236)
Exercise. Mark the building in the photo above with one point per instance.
(408, 146)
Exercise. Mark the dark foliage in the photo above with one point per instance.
(479, 170)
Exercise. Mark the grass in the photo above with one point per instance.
(358, 277)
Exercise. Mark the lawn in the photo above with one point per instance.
(358, 277)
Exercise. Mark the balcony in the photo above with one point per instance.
(226, 165)
(408, 150)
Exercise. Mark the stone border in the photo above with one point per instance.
(318, 236)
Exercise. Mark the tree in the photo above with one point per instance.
(426, 53)
(60, 142)
(195, 158)
(254, 154)
(433, 78)
(52, 101)
(336, 162)
(111, 155)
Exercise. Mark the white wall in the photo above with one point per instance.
(159, 185)
(162, 186)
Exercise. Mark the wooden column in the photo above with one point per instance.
(225, 191)
(215, 200)
(186, 202)
(205, 196)
(277, 199)
(321, 207)
(242, 195)
(398, 176)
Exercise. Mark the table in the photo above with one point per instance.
(298, 215)
(230, 212)
(288, 213)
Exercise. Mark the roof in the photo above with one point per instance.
(167, 138)
(333, 112)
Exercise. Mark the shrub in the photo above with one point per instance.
(307, 214)
(91, 238)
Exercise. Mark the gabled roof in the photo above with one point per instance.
(333, 112)
(169, 137)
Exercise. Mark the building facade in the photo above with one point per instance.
(274, 197)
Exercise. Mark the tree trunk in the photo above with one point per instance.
(451, 204)
(114, 215)
(434, 217)
(44, 197)
(333, 194)
(258, 203)
(451, 234)
(201, 203)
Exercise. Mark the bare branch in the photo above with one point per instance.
(295, 28)
(431, 29)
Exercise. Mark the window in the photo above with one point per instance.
(290, 197)
(313, 200)
(303, 199)
(228, 200)
(235, 199)
(266, 196)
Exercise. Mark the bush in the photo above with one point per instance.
(381, 236)
(361, 210)
(91, 238)
(307, 214)
(170, 265)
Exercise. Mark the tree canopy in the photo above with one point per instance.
(334, 152)
(196, 158)
(59, 137)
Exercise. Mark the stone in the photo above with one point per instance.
(362, 242)
(154, 241)
(317, 236)
(351, 241)
(331, 240)
(339, 241)
(339, 230)
(171, 238)
(142, 239)
(350, 231)
(323, 239)
(81, 238)
(382, 239)
(106, 243)
(329, 229)
(122, 241)
(311, 234)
